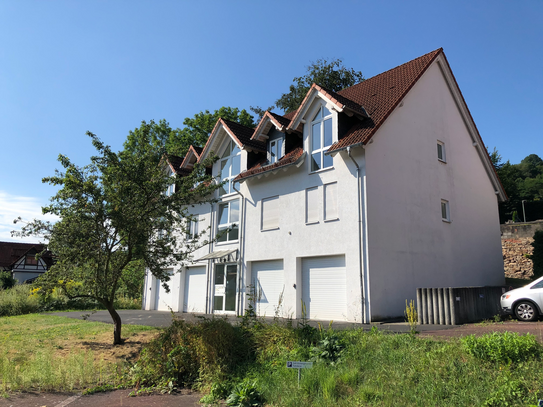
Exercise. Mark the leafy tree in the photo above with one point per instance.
(177, 141)
(114, 215)
(522, 182)
(332, 75)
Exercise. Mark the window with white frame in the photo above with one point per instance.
(441, 151)
(330, 201)
(230, 166)
(275, 150)
(445, 211)
(321, 139)
(270, 213)
(171, 188)
(312, 205)
(228, 220)
(192, 229)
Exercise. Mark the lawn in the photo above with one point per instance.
(48, 352)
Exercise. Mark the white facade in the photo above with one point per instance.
(354, 240)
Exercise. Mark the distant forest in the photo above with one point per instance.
(522, 182)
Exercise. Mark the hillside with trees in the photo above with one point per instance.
(522, 182)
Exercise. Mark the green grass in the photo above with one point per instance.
(48, 352)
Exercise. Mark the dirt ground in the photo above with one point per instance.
(103, 348)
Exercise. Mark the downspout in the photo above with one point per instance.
(209, 262)
(361, 271)
(240, 262)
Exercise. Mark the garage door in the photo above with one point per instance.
(268, 280)
(195, 290)
(163, 300)
(324, 288)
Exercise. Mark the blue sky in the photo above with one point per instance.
(104, 66)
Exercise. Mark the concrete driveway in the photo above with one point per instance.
(162, 319)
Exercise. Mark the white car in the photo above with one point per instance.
(525, 303)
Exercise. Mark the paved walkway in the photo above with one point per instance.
(162, 319)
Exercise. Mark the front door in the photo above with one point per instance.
(226, 276)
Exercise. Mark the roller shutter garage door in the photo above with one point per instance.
(268, 281)
(324, 288)
(163, 300)
(195, 290)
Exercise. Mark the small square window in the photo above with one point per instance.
(441, 152)
(445, 212)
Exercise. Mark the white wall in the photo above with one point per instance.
(409, 245)
(294, 239)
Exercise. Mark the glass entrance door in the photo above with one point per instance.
(226, 276)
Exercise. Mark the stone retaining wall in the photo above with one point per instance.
(514, 257)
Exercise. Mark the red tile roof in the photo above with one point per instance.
(175, 162)
(261, 167)
(380, 95)
(244, 134)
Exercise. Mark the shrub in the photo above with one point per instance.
(192, 354)
(17, 301)
(506, 347)
(245, 394)
(6, 280)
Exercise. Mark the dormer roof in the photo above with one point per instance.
(268, 120)
(192, 156)
(340, 103)
(237, 132)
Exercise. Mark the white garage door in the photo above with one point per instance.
(163, 300)
(324, 287)
(195, 290)
(268, 280)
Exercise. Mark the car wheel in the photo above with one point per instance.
(526, 311)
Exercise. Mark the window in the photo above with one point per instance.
(228, 221)
(441, 152)
(192, 229)
(31, 260)
(275, 150)
(171, 188)
(312, 205)
(445, 213)
(538, 285)
(330, 201)
(270, 213)
(321, 139)
(230, 167)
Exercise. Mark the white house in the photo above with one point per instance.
(20, 260)
(341, 209)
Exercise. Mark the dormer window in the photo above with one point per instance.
(275, 149)
(321, 139)
(230, 167)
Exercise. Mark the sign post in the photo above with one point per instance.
(299, 366)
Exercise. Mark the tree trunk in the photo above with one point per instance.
(117, 325)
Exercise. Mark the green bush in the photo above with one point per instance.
(506, 347)
(18, 300)
(6, 280)
(245, 394)
(192, 354)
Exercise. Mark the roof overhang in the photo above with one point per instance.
(477, 141)
(273, 170)
(223, 255)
